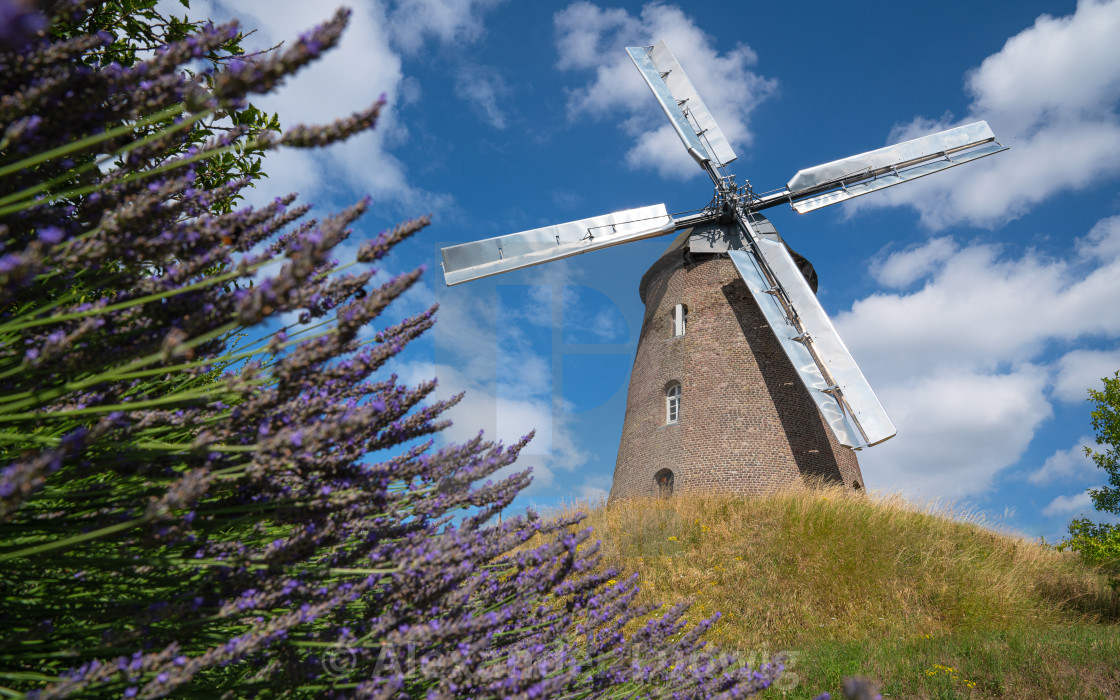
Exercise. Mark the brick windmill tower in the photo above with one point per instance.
(740, 382)
(714, 403)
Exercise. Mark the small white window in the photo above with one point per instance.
(673, 404)
(680, 319)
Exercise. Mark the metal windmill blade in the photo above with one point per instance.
(678, 98)
(493, 256)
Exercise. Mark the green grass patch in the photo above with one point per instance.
(1078, 660)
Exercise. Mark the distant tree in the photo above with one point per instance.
(1106, 423)
(133, 29)
(1099, 543)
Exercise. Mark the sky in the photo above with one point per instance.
(981, 302)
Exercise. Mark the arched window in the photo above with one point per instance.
(856, 486)
(673, 404)
(680, 320)
(664, 482)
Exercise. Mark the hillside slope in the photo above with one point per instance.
(929, 602)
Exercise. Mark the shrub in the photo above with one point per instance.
(1106, 424)
(180, 515)
(1097, 543)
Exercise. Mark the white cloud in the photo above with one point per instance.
(606, 324)
(365, 65)
(1081, 370)
(1066, 465)
(1066, 505)
(981, 309)
(448, 21)
(481, 87)
(960, 363)
(902, 269)
(1051, 94)
(594, 490)
(591, 38)
(503, 418)
(1063, 67)
(956, 430)
(482, 349)
(1103, 241)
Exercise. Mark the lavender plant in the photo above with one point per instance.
(183, 515)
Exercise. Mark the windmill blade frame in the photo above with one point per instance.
(493, 256)
(677, 118)
(688, 101)
(840, 180)
(818, 354)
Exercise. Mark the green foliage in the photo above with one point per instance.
(1106, 423)
(137, 26)
(1097, 543)
(138, 29)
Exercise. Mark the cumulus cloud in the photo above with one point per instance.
(1080, 370)
(504, 418)
(365, 65)
(1051, 94)
(956, 429)
(904, 268)
(1067, 505)
(1066, 464)
(594, 490)
(448, 21)
(483, 348)
(589, 38)
(980, 309)
(961, 362)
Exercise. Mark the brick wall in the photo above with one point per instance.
(747, 424)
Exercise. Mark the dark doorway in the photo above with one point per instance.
(664, 481)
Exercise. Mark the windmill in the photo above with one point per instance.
(740, 382)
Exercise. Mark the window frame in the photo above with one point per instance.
(680, 320)
(673, 404)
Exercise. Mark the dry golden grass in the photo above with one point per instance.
(813, 565)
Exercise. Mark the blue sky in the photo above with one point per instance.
(981, 303)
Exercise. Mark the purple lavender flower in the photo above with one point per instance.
(228, 508)
(20, 22)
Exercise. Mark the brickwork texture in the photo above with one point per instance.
(747, 424)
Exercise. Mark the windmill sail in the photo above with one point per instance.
(669, 104)
(822, 185)
(678, 98)
(807, 336)
(492, 256)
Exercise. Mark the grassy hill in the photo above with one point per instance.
(929, 603)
